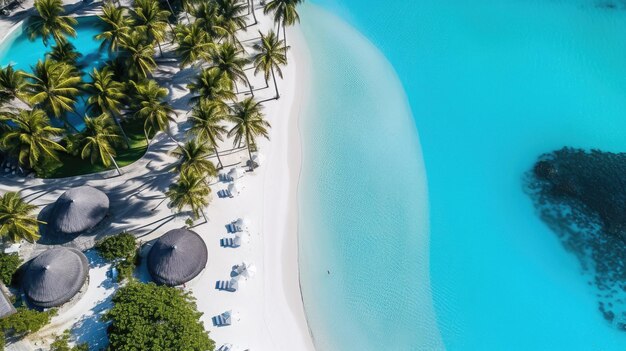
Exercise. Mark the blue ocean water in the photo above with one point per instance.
(490, 86)
(23, 54)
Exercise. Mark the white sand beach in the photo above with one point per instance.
(269, 305)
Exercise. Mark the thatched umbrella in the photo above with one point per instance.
(177, 257)
(54, 277)
(79, 209)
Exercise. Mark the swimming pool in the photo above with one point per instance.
(16, 49)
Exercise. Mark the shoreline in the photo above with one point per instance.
(290, 145)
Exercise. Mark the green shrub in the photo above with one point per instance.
(25, 321)
(119, 246)
(125, 269)
(2, 341)
(8, 266)
(61, 343)
(137, 306)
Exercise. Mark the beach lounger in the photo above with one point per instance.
(224, 193)
(228, 242)
(231, 228)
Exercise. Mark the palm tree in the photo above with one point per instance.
(249, 124)
(53, 86)
(151, 107)
(12, 84)
(65, 52)
(99, 139)
(285, 13)
(228, 61)
(117, 26)
(211, 84)
(151, 20)
(139, 56)
(50, 22)
(208, 18)
(189, 191)
(30, 137)
(16, 219)
(272, 53)
(106, 95)
(193, 44)
(193, 156)
(231, 13)
(207, 127)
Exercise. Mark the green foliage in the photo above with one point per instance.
(8, 266)
(50, 21)
(118, 246)
(153, 317)
(17, 221)
(122, 247)
(30, 137)
(25, 321)
(61, 343)
(2, 342)
(125, 269)
(73, 165)
(190, 191)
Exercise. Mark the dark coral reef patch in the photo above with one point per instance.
(581, 196)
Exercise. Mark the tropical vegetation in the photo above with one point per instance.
(61, 343)
(122, 250)
(137, 306)
(17, 221)
(249, 124)
(9, 263)
(50, 22)
(190, 191)
(25, 321)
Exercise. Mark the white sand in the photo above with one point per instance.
(269, 304)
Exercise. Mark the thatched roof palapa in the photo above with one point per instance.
(177, 257)
(54, 277)
(79, 209)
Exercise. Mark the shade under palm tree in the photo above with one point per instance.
(78, 210)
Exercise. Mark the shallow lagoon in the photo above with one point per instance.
(491, 86)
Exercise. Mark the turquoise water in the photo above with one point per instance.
(19, 51)
(462, 263)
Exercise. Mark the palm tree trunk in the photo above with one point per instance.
(275, 85)
(160, 50)
(145, 133)
(285, 33)
(119, 171)
(119, 125)
(219, 161)
(249, 86)
(252, 9)
(249, 152)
